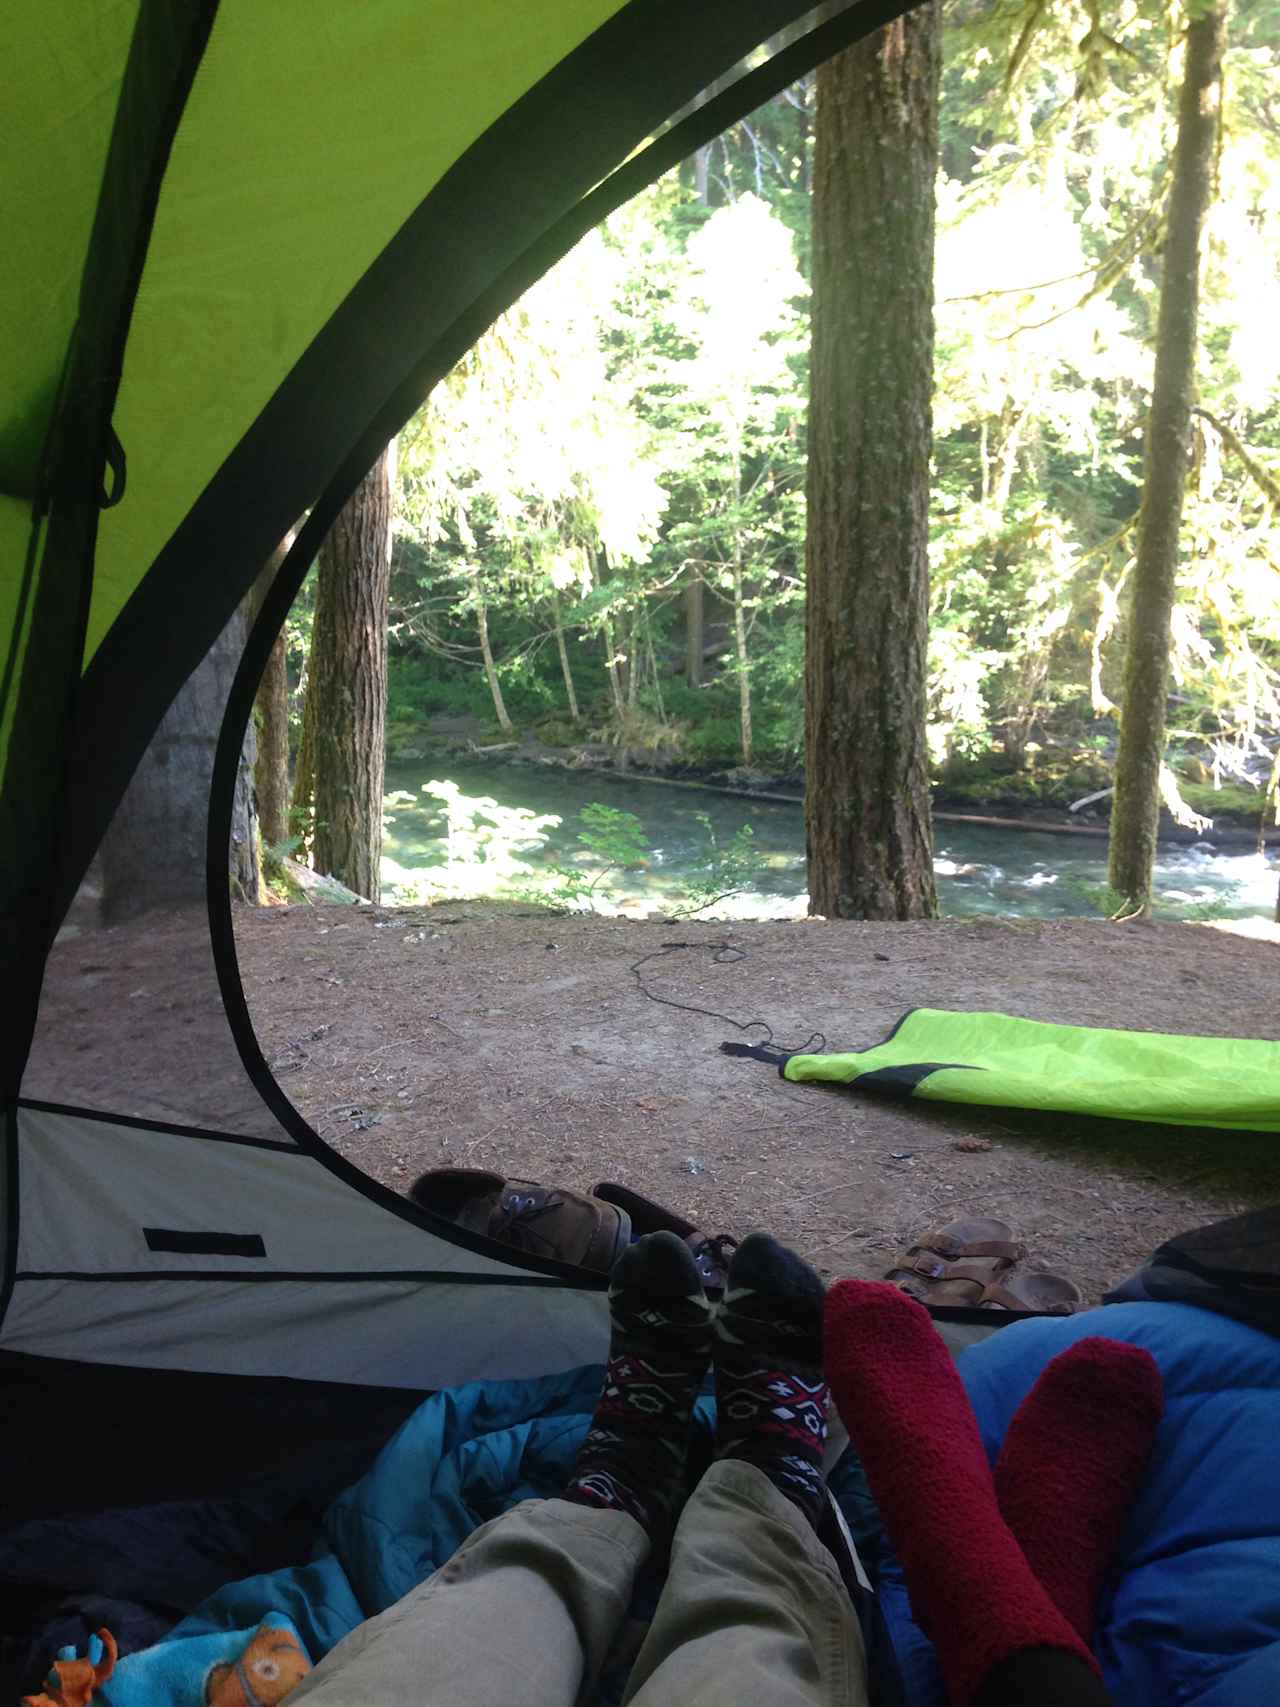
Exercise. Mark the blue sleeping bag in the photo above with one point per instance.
(1190, 1615)
(460, 1459)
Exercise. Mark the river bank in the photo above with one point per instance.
(1014, 801)
(461, 826)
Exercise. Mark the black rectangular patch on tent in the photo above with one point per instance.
(204, 1244)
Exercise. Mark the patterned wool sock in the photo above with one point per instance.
(633, 1456)
(771, 1399)
(1071, 1463)
(911, 1424)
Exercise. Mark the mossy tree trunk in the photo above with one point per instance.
(695, 593)
(870, 429)
(302, 800)
(347, 685)
(613, 667)
(153, 854)
(695, 627)
(271, 707)
(633, 660)
(490, 668)
(570, 692)
(1135, 816)
(745, 739)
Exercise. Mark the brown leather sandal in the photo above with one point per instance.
(1033, 1289)
(958, 1263)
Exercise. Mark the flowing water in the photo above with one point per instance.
(979, 870)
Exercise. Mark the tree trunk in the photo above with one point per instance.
(653, 667)
(490, 668)
(633, 660)
(695, 628)
(870, 428)
(744, 679)
(347, 685)
(570, 691)
(271, 770)
(153, 854)
(611, 664)
(302, 800)
(702, 166)
(1135, 816)
(1005, 462)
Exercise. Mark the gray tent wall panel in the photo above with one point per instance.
(420, 1334)
(346, 1290)
(352, 1284)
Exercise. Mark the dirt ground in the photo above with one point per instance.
(487, 1036)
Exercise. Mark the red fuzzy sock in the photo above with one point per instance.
(1071, 1464)
(911, 1424)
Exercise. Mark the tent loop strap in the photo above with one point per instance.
(770, 1052)
(111, 494)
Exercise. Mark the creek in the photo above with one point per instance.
(979, 869)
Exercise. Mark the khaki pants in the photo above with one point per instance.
(754, 1613)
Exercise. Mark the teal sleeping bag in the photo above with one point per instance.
(996, 1060)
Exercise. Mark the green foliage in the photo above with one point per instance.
(715, 740)
(725, 870)
(637, 422)
(275, 872)
(614, 837)
(1097, 897)
(1222, 906)
(484, 849)
(613, 841)
(1110, 903)
(277, 852)
(1057, 123)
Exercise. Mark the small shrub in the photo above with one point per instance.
(615, 838)
(726, 869)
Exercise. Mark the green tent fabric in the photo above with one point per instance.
(996, 1060)
(242, 242)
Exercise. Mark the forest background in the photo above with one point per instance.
(600, 516)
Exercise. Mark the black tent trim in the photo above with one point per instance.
(166, 1127)
(380, 1277)
(14, 651)
(10, 1269)
(624, 79)
(167, 46)
(622, 83)
(667, 151)
(184, 1241)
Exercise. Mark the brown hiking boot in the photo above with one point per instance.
(545, 1221)
(710, 1254)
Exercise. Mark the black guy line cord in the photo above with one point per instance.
(722, 954)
